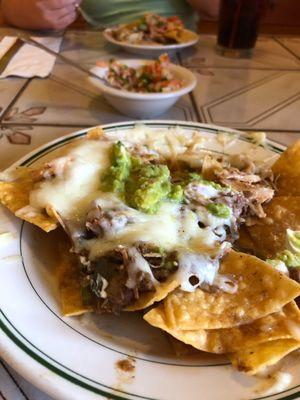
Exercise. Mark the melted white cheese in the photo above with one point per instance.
(211, 220)
(280, 266)
(161, 229)
(79, 178)
(196, 265)
(193, 237)
(103, 293)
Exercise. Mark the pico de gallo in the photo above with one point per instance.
(152, 77)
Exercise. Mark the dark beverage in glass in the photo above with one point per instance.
(239, 25)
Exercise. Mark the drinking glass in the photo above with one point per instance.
(239, 22)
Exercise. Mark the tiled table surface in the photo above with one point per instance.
(262, 93)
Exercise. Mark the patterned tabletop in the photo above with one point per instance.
(260, 94)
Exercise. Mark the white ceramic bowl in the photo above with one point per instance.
(144, 105)
(151, 50)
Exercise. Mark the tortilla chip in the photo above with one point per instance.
(149, 298)
(69, 284)
(15, 196)
(262, 290)
(287, 171)
(181, 36)
(172, 35)
(221, 341)
(254, 359)
(186, 36)
(71, 298)
(269, 235)
(95, 133)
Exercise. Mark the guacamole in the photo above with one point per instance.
(193, 176)
(141, 185)
(118, 172)
(219, 210)
(147, 186)
(290, 259)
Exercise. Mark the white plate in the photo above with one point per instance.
(75, 358)
(153, 50)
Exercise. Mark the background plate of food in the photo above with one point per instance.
(152, 35)
(162, 295)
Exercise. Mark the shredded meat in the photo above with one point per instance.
(256, 190)
(162, 265)
(234, 175)
(238, 204)
(101, 223)
(146, 154)
(243, 163)
(257, 210)
(111, 269)
(242, 175)
(118, 295)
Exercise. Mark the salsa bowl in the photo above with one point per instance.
(143, 105)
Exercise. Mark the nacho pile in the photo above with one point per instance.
(153, 221)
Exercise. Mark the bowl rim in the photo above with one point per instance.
(158, 47)
(188, 87)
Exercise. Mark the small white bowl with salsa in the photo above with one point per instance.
(142, 88)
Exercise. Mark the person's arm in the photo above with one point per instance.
(206, 7)
(39, 14)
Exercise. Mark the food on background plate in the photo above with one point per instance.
(152, 29)
(151, 77)
(152, 220)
